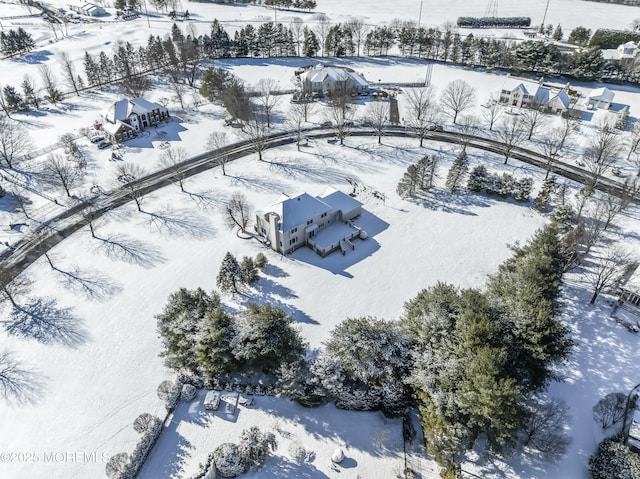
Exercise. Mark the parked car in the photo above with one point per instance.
(96, 138)
(435, 128)
(103, 144)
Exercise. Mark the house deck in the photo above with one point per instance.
(328, 240)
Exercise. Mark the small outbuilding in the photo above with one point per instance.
(600, 98)
(212, 400)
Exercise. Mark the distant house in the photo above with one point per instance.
(627, 50)
(324, 80)
(600, 98)
(323, 223)
(531, 94)
(89, 9)
(125, 118)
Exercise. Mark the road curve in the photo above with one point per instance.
(56, 229)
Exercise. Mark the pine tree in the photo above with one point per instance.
(249, 270)
(213, 348)
(310, 45)
(12, 98)
(179, 325)
(541, 203)
(230, 274)
(457, 172)
(478, 179)
(557, 34)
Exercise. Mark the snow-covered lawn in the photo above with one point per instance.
(372, 444)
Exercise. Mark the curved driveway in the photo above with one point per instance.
(31, 247)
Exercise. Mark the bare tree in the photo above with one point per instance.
(215, 142)
(268, 99)
(296, 26)
(11, 287)
(69, 70)
(127, 176)
(634, 141)
(174, 158)
(61, 173)
(601, 153)
(421, 104)
(467, 129)
(257, 133)
(457, 97)
(341, 113)
(377, 114)
(511, 134)
(322, 30)
(533, 120)
(50, 83)
(570, 125)
(358, 30)
(17, 383)
(14, 141)
(492, 111)
(607, 269)
(237, 212)
(296, 119)
(551, 147)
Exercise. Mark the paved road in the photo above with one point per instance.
(30, 248)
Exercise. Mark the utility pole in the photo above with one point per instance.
(420, 14)
(544, 18)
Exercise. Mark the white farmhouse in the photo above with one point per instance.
(323, 223)
(627, 50)
(323, 80)
(600, 98)
(125, 118)
(89, 9)
(529, 94)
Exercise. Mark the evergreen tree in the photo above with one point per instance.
(179, 325)
(213, 347)
(265, 338)
(12, 99)
(457, 172)
(541, 203)
(230, 274)
(478, 180)
(371, 359)
(29, 91)
(557, 33)
(310, 44)
(614, 459)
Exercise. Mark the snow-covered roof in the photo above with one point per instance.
(297, 210)
(339, 200)
(114, 128)
(320, 73)
(527, 87)
(602, 94)
(118, 111)
(142, 105)
(562, 97)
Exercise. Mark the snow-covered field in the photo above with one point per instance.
(96, 376)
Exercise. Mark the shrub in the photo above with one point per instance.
(188, 392)
(607, 38)
(169, 392)
(143, 422)
(489, 22)
(261, 261)
(613, 459)
(228, 460)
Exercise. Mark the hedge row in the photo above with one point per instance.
(607, 38)
(488, 22)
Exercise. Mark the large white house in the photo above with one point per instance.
(323, 223)
(530, 94)
(324, 80)
(125, 118)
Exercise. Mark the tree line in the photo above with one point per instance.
(476, 364)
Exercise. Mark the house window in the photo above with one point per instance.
(309, 222)
(293, 240)
(294, 230)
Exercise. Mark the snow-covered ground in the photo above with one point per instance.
(102, 370)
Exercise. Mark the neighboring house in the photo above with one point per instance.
(125, 118)
(600, 98)
(529, 94)
(89, 9)
(324, 80)
(627, 50)
(323, 223)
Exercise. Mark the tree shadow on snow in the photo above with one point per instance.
(180, 223)
(206, 200)
(458, 203)
(93, 285)
(275, 271)
(130, 251)
(43, 320)
(304, 171)
(257, 183)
